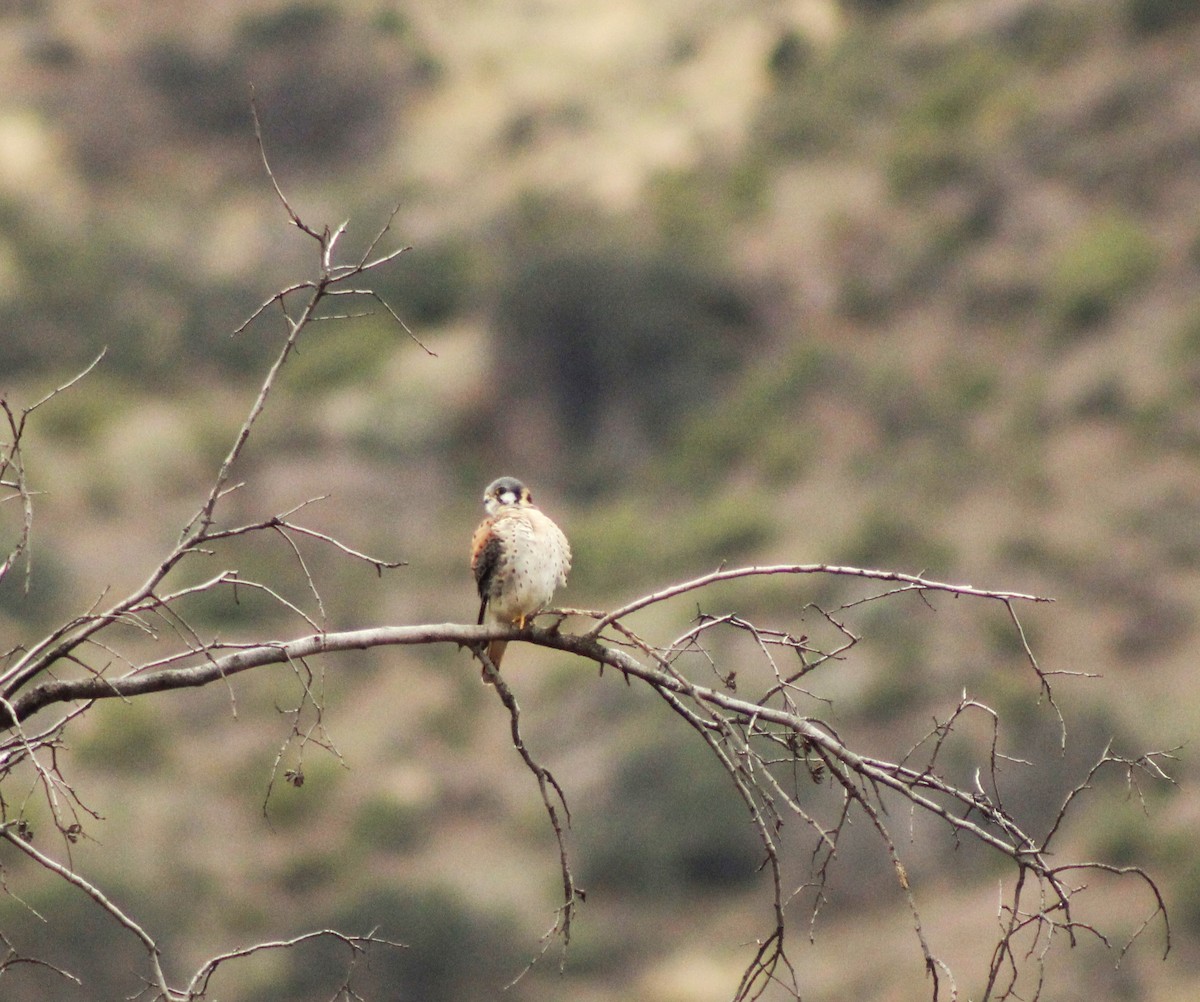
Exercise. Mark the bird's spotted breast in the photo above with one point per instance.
(519, 557)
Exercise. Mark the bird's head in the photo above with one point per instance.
(504, 492)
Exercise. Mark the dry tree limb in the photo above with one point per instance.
(572, 894)
(732, 725)
(9, 833)
(750, 739)
(755, 737)
(154, 608)
(201, 529)
(12, 958)
(12, 471)
(198, 986)
(914, 582)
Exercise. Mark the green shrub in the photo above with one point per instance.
(1107, 400)
(1184, 349)
(964, 103)
(1186, 885)
(885, 538)
(52, 51)
(49, 579)
(964, 86)
(311, 872)
(324, 83)
(790, 56)
(293, 804)
(75, 936)
(1147, 17)
(125, 737)
(602, 540)
(900, 677)
(385, 824)
(429, 284)
(926, 159)
(1105, 262)
(390, 21)
(207, 91)
(341, 354)
(811, 106)
(874, 7)
(291, 25)
(1048, 35)
(725, 527)
(671, 821)
(616, 341)
(758, 425)
(451, 951)
(697, 207)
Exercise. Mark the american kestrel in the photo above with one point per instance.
(519, 557)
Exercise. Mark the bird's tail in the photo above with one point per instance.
(495, 651)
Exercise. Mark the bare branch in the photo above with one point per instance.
(69, 383)
(726, 721)
(572, 894)
(12, 958)
(262, 152)
(12, 471)
(920, 584)
(770, 735)
(198, 986)
(9, 834)
(33, 668)
(371, 293)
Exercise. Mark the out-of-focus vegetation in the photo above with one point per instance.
(898, 283)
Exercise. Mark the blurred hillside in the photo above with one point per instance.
(896, 283)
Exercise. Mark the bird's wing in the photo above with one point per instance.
(486, 547)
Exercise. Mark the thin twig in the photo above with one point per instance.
(572, 895)
(672, 591)
(8, 833)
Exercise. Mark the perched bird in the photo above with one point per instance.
(519, 557)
